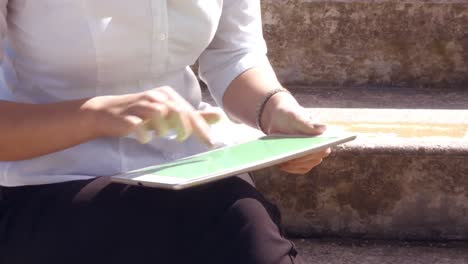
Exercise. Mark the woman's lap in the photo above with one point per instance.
(102, 222)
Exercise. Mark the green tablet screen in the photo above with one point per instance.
(228, 159)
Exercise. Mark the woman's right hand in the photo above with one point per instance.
(160, 109)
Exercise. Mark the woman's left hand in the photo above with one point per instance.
(283, 115)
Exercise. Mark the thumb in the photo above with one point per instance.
(308, 126)
(142, 134)
(140, 129)
(133, 120)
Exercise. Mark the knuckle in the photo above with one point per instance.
(142, 104)
(159, 108)
(146, 96)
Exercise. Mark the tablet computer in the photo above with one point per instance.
(228, 161)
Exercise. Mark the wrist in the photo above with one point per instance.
(277, 103)
(91, 117)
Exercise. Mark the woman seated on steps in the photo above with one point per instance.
(82, 75)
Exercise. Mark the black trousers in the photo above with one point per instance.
(96, 221)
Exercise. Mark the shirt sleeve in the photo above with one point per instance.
(3, 25)
(237, 46)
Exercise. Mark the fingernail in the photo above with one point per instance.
(142, 135)
(214, 120)
(211, 144)
(209, 137)
(318, 126)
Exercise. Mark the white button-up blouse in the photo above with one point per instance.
(58, 50)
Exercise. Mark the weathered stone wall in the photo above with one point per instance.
(368, 42)
(404, 177)
(384, 196)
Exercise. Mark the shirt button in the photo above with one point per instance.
(162, 36)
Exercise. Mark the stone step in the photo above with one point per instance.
(405, 177)
(382, 97)
(394, 43)
(339, 251)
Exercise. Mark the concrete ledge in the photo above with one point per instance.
(382, 97)
(395, 43)
(385, 196)
(335, 251)
(402, 183)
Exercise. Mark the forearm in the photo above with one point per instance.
(248, 90)
(31, 130)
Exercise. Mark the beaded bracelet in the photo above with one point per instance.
(261, 106)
